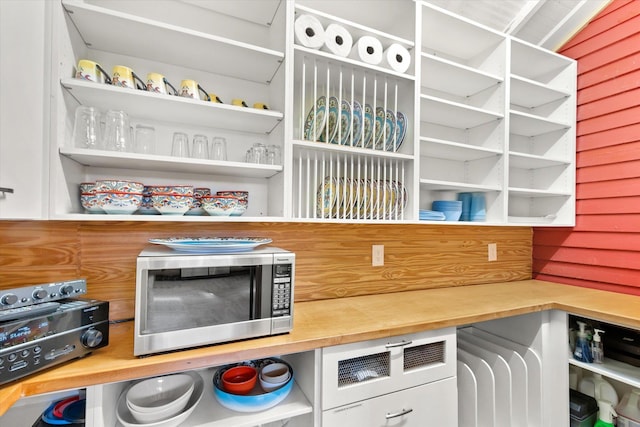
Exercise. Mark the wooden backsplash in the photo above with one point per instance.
(332, 260)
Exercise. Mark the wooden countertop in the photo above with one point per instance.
(337, 321)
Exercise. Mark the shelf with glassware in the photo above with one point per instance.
(180, 34)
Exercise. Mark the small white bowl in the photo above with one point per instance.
(159, 398)
(269, 386)
(275, 373)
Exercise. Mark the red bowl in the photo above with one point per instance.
(239, 379)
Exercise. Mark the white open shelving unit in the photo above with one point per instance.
(484, 112)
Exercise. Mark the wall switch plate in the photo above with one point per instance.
(492, 249)
(377, 255)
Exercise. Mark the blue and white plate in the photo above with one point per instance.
(343, 127)
(390, 129)
(385, 123)
(401, 129)
(332, 117)
(356, 129)
(368, 126)
(211, 244)
(314, 125)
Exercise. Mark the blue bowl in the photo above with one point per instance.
(257, 400)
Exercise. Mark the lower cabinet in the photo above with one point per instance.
(407, 380)
(432, 404)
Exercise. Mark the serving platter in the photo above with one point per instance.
(211, 244)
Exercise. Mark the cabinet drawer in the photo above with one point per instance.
(433, 404)
(358, 371)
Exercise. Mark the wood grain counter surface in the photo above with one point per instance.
(338, 321)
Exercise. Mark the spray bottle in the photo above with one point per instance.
(582, 351)
(605, 414)
(597, 350)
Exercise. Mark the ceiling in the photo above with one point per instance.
(546, 23)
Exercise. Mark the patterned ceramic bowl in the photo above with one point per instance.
(196, 208)
(119, 186)
(243, 201)
(146, 207)
(87, 187)
(184, 190)
(118, 202)
(171, 203)
(89, 202)
(219, 205)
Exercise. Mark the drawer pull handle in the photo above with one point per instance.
(399, 414)
(6, 190)
(398, 344)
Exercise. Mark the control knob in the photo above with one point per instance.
(91, 338)
(39, 294)
(66, 290)
(8, 299)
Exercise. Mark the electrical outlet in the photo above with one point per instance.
(492, 249)
(377, 255)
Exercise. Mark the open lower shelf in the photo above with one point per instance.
(156, 163)
(613, 369)
(530, 125)
(173, 109)
(145, 38)
(530, 94)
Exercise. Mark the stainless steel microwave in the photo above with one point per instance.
(187, 300)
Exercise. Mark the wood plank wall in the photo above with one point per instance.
(333, 260)
(603, 250)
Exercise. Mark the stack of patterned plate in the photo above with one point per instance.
(348, 123)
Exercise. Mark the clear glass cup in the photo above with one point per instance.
(218, 148)
(180, 145)
(259, 153)
(117, 131)
(145, 141)
(274, 155)
(86, 128)
(200, 147)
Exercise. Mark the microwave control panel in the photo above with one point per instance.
(282, 292)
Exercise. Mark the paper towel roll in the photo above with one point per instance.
(397, 58)
(367, 49)
(337, 40)
(308, 32)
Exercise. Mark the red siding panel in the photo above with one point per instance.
(603, 250)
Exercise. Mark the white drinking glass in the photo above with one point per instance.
(145, 142)
(86, 128)
(180, 145)
(218, 148)
(117, 131)
(200, 147)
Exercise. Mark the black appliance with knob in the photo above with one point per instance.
(46, 334)
(46, 292)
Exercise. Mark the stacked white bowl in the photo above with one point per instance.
(159, 398)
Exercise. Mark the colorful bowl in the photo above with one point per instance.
(146, 206)
(243, 200)
(219, 205)
(118, 202)
(185, 190)
(196, 208)
(119, 186)
(171, 203)
(239, 379)
(89, 202)
(255, 401)
(87, 187)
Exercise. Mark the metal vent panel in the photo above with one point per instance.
(362, 369)
(424, 355)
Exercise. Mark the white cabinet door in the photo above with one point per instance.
(22, 109)
(431, 404)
